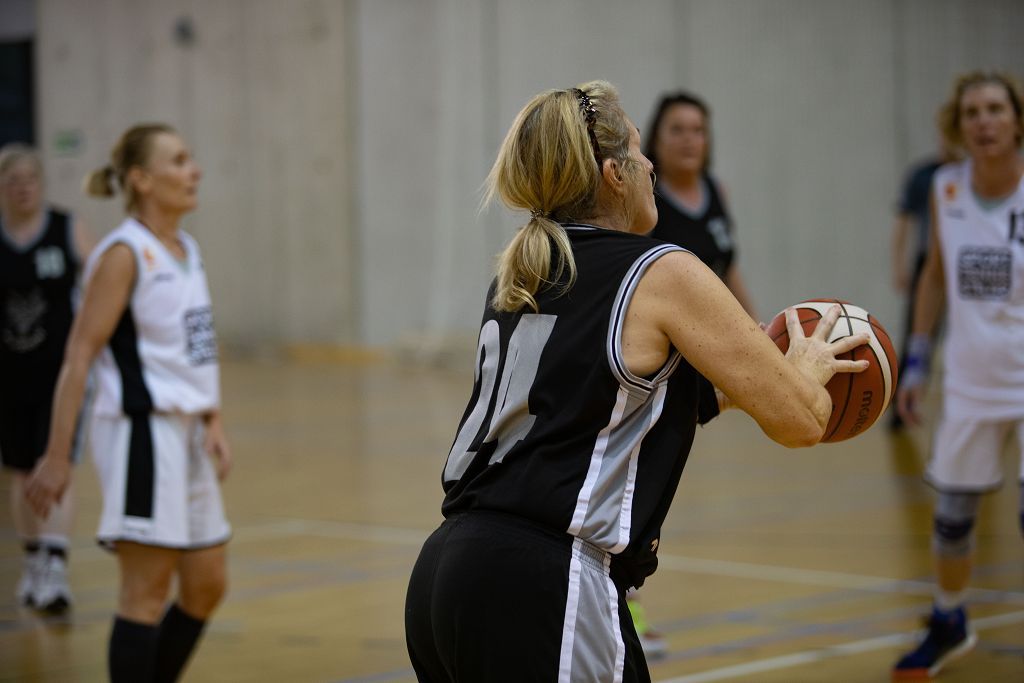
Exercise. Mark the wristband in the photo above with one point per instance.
(917, 362)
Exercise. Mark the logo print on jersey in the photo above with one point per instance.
(149, 258)
(949, 192)
(23, 321)
(202, 342)
(50, 263)
(984, 272)
(720, 233)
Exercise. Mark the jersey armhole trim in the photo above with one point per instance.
(616, 362)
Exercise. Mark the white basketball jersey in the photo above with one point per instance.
(983, 257)
(163, 354)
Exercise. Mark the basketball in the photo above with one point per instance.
(858, 399)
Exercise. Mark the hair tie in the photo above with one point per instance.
(538, 213)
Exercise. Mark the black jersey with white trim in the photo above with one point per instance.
(37, 281)
(558, 430)
(706, 231)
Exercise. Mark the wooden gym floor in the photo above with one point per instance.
(776, 565)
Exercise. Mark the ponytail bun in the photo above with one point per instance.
(99, 182)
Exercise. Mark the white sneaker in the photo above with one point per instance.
(52, 592)
(31, 566)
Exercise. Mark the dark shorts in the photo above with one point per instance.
(495, 598)
(24, 433)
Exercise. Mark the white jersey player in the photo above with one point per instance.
(976, 264)
(146, 316)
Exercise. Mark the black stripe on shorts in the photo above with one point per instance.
(139, 489)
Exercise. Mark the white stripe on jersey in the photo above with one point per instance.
(572, 603)
(579, 516)
(626, 512)
(606, 521)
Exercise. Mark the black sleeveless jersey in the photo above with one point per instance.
(36, 283)
(558, 430)
(707, 232)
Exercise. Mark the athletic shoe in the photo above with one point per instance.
(652, 642)
(52, 593)
(948, 638)
(31, 566)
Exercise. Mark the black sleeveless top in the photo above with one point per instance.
(558, 431)
(706, 232)
(36, 283)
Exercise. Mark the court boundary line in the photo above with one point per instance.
(830, 652)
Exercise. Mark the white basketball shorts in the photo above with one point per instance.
(159, 484)
(967, 454)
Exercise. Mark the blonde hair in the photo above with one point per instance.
(949, 113)
(132, 149)
(12, 153)
(548, 165)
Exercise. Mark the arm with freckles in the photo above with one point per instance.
(680, 302)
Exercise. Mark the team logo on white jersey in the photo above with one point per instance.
(984, 272)
(202, 341)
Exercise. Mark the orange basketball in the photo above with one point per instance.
(858, 399)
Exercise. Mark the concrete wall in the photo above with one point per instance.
(261, 93)
(346, 141)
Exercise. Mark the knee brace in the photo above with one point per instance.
(954, 522)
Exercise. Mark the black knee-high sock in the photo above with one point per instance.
(179, 633)
(132, 651)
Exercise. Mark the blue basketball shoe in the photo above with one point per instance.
(948, 638)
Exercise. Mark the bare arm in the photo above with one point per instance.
(106, 297)
(733, 278)
(680, 302)
(928, 301)
(216, 443)
(931, 288)
(734, 281)
(900, 232)
(83, 240)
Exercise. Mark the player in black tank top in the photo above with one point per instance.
(36, 283)
(706, 230)
(40, 258)
(691, 214)
(692, 211)
(583, 410)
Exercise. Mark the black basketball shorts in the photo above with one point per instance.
(496, 598)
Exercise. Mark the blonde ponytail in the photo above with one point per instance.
(548, 165)
(525, 264)
(98, 183)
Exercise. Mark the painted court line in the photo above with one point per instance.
(821, 654)
(761, 572)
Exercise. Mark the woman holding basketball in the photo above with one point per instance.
(975, 265)
(146, 320)
(584, 408)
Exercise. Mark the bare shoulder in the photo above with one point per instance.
(675, 273)
(115, 265)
